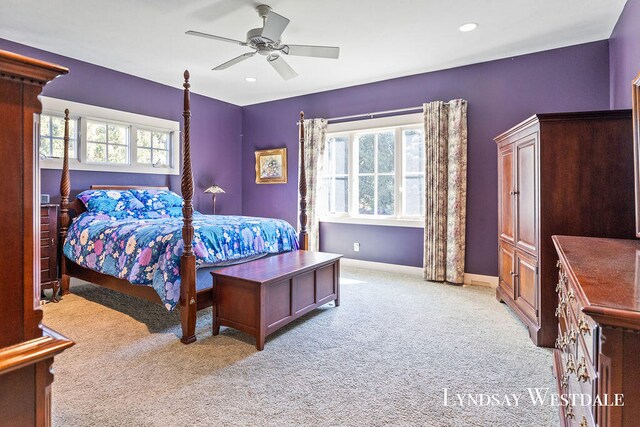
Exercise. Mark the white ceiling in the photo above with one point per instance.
(379, 39)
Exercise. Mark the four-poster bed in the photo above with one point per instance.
(191, 298)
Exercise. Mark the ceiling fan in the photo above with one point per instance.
(266, 41)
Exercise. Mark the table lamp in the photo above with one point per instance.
(214, 189)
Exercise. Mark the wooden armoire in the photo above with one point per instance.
(567, 174)
(27, 347)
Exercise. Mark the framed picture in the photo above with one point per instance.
(271, 166)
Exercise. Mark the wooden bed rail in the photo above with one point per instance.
(304, 236)
(188, 259)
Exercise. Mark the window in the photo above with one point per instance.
(107, 143)
(374, 172)
(52, 136)
(102, 139)
(153, 147)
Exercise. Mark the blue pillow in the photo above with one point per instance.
(158, 199)
(109, 200)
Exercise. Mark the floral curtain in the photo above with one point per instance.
(315, 131)
(445, 138)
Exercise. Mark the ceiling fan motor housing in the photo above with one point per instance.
(256, 41)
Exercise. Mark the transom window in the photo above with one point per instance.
(52, 136)
(107, 143)
(102, 139)
(375, 173)
(153, 147)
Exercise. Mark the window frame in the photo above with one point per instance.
(132, 121)
(73, 151)
(351, 129)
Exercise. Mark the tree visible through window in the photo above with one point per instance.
(153, 147)
(107, 143)
(52, 136)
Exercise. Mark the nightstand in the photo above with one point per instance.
(49, 277)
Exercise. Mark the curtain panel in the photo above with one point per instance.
(445, 137)
(315, 131)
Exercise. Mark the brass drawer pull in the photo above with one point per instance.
(558, 287)
(565, 381)
(558, 264)
(560, 343)
(583, 373)
(573, 336)
(571, 365)
(584, 326)
(559, 312)
(568, 413)
(570, 295)
(584, 422)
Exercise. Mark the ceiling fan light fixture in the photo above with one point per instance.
(250, 79)
(469, 26)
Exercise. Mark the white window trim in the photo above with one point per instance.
(401, 123)
(83, 112)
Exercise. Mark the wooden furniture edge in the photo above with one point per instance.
(28, 70)
(35, 350)
(606, 316)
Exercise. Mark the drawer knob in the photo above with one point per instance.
(584, 422)
(584, 326)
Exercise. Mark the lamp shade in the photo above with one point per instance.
(215, 189)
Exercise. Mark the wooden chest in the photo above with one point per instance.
(49, 277)
(262, 296)
(597, 356)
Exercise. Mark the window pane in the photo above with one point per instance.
(160, 158)
(117, 154)
(325, 196)
(57, 148)
(44, 147)
(117, 135)
(414, 150)
(386, 195)
(144, 155)
(144, 138)
(341, 154)
(414, 195)
(160, 140)
(366, 196)
(57, 127)
(342, 195)
(45, 128)
(386, 155)
(96, 132)
(366, 153)
(96, 152)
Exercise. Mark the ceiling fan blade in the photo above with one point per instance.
(281, 66)
(211, 36)
(313, 51)
(274, 26)
(234, 61)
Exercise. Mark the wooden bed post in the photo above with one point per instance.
(65, 190)
(188, 305)
(304, 236)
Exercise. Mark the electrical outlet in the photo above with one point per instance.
(356, 247)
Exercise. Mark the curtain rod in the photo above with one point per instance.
(371, 115)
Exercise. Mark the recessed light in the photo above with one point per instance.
(251, 79)
(469, 26)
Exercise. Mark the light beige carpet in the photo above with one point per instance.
(384, 357)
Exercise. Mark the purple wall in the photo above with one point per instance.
(215, 128)
(500, 94)
(624, 55)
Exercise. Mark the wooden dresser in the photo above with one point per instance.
(598, 323)
(49, 277)
(27, 347)
(566, 173)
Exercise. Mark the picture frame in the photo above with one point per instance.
(271, 166)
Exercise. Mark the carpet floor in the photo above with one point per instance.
(383, 358)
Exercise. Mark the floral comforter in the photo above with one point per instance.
(145, 247)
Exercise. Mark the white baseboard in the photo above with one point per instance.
(469, 278)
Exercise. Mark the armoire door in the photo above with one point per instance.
(506, 191)
(526, 280)
(526, 224)
(507, 270)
